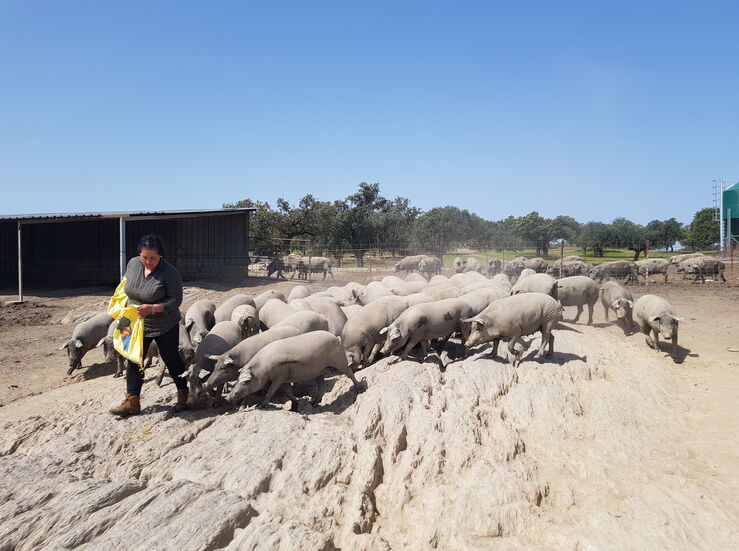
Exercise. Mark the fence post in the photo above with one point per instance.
(561, 258)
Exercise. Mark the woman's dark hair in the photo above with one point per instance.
(152, 241)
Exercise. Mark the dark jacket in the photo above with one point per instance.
(163, 286)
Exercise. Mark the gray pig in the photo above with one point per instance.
(227, 365)
(261, 299)
(273, 311)
(224, 311)
(536, 283)
(86, 336)
(654, 314)
(304, 322)
(361, 335)
(422, 323)
(223, 337)
(614, 296)
(515, 317)
(578, 291)
(292, 360)
(245, 315)
(199, 319)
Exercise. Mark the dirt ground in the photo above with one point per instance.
(705, 385)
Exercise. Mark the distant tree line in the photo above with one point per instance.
(366, 220)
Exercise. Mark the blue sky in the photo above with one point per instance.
(591, 109)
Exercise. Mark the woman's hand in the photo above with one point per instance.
(146, 310)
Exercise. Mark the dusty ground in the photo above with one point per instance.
(610, 445)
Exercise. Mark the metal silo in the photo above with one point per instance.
(730, 209)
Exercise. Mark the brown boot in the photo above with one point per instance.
(130, 406)
(181, 399)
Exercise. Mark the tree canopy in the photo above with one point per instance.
(366, 220)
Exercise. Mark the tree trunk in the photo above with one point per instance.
(359, 255)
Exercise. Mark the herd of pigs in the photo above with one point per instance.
(263, 344)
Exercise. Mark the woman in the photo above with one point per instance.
(155, 285)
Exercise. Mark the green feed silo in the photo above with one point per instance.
(731, 208)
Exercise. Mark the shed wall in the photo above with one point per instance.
(64, 254)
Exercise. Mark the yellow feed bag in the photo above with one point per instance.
(128, 338)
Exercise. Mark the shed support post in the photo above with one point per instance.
(20, 262)
(122, 244)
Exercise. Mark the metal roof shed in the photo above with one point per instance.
(74, 249)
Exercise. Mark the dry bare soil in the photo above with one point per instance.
(607, 445)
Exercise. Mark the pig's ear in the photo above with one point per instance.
(100, 342)
(228, 361)
(382, 331)
(246, 375)
(630, 303)
(188, 323)
(78, 343)
(65, 345)
(654, 318)
(214, 357)
(476, 319)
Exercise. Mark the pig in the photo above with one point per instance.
(573, 258)
(276, 266)
(342, 295)
(526, 272)
(304, 322)
(262, 298)
(430, 266)
(654, 314)
(438, 279)
(481, 298)
(351, 310)
(223, 337)
(292, 360)
(702, 267)
(314, 264)
(502, 280)
(539, 265)
(473, 265)
(224, 311)
(390, 280)
(614, 296)
(678, 258)
(199, 319)
(407, 287)
(273, 311)
(651, 266)
(513, 268)
(373, 291)
(333, 314)
(299, 291)
(467, 278)
(361, 335)
(86, 336)
(514, 317)
(458, 265)
(619, 269)
(422, 323)
(536, 283)
(300, 305)
(494, 266)
(578, 291)
(410, 263)
(412, 276)
(227, 364)
(441, 292)
(417, 298)
(567, 268)
(245, 315)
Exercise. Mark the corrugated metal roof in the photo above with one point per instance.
(733, 188)
(68, 216)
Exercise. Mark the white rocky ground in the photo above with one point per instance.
(581, 452)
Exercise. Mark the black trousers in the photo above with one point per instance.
(168, 344)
